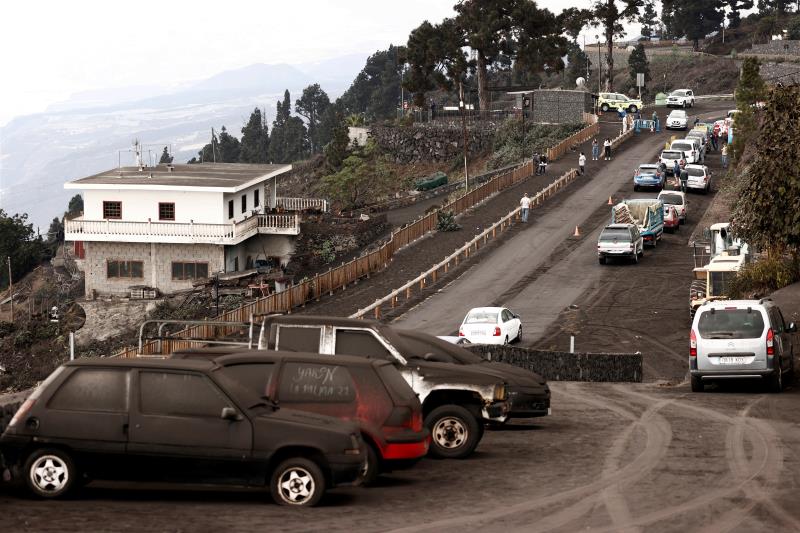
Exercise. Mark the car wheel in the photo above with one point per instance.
(632, 109)
(636, 188)
(519, 335)
(455, 432)
(297, 482)
(372, 467)
(636, 257)
(602, 260)
(50, 473)
(604, 108)
(775, 383)
(506, 340)
(697, 384)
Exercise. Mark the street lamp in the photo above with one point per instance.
(599, 65)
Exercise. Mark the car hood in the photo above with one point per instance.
(471, 374)
(513, 375)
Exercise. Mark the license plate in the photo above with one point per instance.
(733, 360)
(478, 333)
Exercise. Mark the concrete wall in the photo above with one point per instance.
(157, 262)
(560, 107)
(786, 73)
(264, 189)
(139, 205)
(563, 366)
(263, 246)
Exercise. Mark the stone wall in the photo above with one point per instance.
(157, 265)
(437, 142)
(564, 366)
(786, 73)
(777, 47)
(560, 107)
(345, 234)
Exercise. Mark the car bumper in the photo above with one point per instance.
(495, 412)
(411, 445)
(523, 404)
(345, 469)
(695, 185)
(647, 183)
(710, 375)
(626, 253)
(675, 126)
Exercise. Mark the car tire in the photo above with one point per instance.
(632, 109)
(697, 384)
(775, 381)
(604, 108)
(635, 188)
(505, 342)
(601, 260)
(50, 473)
(636, 258)
(455, 431)
(372, 467)
(297, 482)
(519, 335)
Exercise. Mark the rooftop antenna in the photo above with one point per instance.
(137, 149)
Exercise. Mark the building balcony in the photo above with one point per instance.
(79, 229)
(301, 204)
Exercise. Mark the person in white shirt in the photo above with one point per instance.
(582, 163)
(525, 204)
(607, 149)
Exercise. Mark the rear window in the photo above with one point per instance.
(395, 382)
(90, 389)
(481, 317)
(313, 383)
(610, 235)
(686, 147)
(695, 172)
(731, 324)
(671, 155)
(671, 199)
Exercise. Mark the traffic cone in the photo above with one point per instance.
(610, 201)
(577, 232)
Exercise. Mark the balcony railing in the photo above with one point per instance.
(79, 229)
(302, 204)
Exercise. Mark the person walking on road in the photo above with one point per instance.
(684, 179)
(653, 124)
(525, 204)
(582, 163)
(595, 150)
(714, 140)
(676, 169)
(607, 149)
(542, 165)
(724, 154)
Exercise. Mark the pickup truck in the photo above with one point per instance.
(646, 213)
(620, 240)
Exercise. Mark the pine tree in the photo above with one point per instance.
(255, 140)
(312, 105)
(610, 16)
(649, 19)
(637, 62)
(698, 18)
(165, 157)
(289, 139)
(751, 87)
(228, 146)
(336, 150)
(75, 205)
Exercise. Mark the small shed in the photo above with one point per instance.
(559, 106)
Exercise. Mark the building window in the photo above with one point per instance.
(181, 270)
(255, 198)
(166, 211)
(125, 269)
(230, 208)
(244, 203)
(112, 209)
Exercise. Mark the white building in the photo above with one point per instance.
(165, 226)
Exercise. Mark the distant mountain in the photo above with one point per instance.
(93, 131)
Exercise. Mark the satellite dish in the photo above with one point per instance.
(580, 82)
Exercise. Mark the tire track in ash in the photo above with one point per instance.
(658, 436)
(744, 472)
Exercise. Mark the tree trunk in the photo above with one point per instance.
(610, 58)
(483, 92)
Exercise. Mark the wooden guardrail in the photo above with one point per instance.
(579, 137)
(339, 277)
(432, 274)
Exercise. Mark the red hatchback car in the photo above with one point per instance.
(370, 392)
(672, 221)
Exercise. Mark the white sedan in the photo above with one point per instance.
(491, 325)
(699, 178)
(677, 120)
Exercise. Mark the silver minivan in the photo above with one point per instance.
(740, 339)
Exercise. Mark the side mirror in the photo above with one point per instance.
(229, 413)
(792, 327)
(432, 358)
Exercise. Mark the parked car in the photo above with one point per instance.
(689, 148)
(672, 221)
(648, 175)
(699, 178)
(173, 420)
(740, 339)
(491, 325)
(677, 120)
(700, 137)
(681, 98)
(668, 158)
(676, 199)
(618, 102)
(368, 391)
(620, 240)
(456, 400)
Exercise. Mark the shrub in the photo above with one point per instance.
(764, 276)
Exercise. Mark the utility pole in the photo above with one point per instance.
(11, 288)
(213, 151)
(599, 65)
(464, 132)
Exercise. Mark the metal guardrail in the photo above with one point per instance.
(444, 265)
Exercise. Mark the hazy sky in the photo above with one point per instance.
(54, 48)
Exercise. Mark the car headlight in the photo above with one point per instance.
(500, 391)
